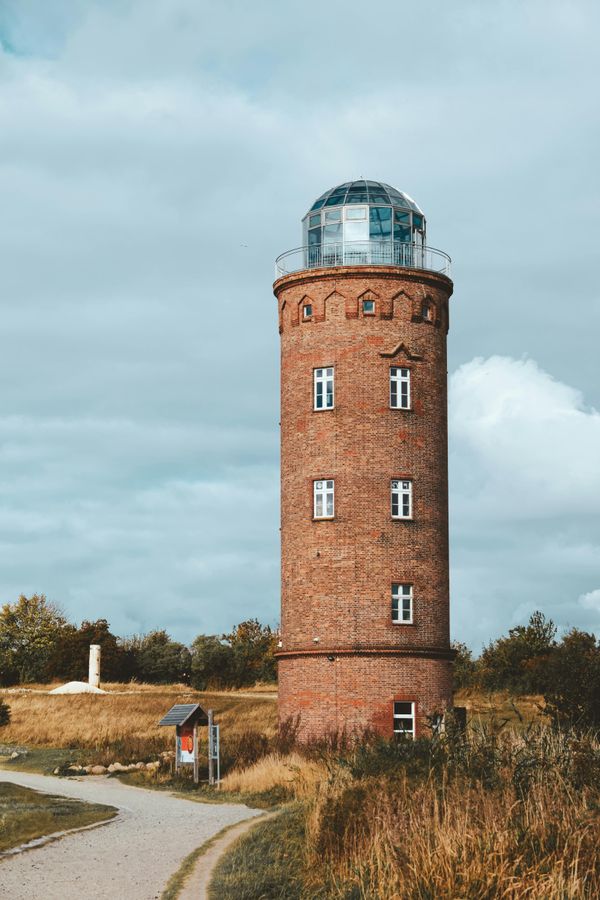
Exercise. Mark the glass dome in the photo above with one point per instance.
(359, 211)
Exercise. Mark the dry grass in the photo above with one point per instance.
(297, 775)
(422, 841)
(511, 816)
(500, 706)
(124, 721)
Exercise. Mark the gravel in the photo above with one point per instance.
(133, 856)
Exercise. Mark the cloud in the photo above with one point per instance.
(525, 497)
(591, 600)
(156, 157)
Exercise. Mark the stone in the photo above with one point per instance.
(98, 770)
(153, 766)
(140, 765)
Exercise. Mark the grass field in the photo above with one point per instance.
(26, 815)
(123, 724)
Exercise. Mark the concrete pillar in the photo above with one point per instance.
(94, 676)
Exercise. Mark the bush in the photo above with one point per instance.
(572, 691)
(4, 713)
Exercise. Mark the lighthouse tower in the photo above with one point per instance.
(363, 318)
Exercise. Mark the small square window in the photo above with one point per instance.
(314, 221)
(404, 718)
(427, 311)
(368, 307)
(307, 311)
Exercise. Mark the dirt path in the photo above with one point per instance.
(196, 886)
(131, 857)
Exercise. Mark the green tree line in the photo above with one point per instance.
(39, 644)
(530, 660)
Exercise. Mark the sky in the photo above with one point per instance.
(155, 157)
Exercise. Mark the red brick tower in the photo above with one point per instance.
(363, 317)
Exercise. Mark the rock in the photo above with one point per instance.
(153, 766)
(111, 768)
(15, 754)
(56, 771)
(140, 765)
(98, 770)
(76, 770)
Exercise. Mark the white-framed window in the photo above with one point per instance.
(324, 499)
(402, 504)
(404, 717)
(399, 388)
(368, 307)
(307, 311)
(323, 388)
(402, 604)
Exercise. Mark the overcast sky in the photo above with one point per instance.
(155, 157)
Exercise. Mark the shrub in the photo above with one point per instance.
(4, 713)
(572, 691)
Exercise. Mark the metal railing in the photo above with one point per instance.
(363, 253)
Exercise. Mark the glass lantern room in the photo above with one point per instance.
(352, 217)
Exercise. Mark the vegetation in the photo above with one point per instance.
(494, 813)
(26, 815)
(529, 660)
(4, 713)
(269, 861)
(123, 724)
(38, 644)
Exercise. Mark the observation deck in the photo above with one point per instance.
(363, 253)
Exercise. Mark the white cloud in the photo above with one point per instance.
(591, 600)
(525, 496)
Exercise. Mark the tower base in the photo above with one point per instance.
(352, 691)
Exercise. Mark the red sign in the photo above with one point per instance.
(187, 740)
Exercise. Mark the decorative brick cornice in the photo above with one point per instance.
(333, 273)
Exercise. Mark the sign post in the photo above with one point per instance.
(214, 762)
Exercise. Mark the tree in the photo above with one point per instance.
(160, 660)
(572, 692)
(254, 646)
(70, 659)
(465, 667)
(517, 662)
(30, 630)
(212, 663)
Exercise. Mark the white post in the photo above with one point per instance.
(94, 676)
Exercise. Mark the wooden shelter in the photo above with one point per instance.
(186, 717)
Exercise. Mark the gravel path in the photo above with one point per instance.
(133, 857)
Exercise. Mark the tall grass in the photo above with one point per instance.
(498, 813)
(509, 815)
(298, 776)
(123, 724)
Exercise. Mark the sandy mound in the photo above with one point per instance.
(76, 687)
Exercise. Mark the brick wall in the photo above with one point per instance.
(337, 575)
